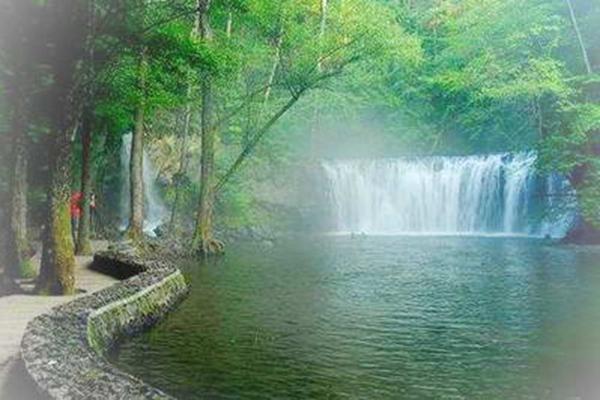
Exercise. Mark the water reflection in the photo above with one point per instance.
(382, 317)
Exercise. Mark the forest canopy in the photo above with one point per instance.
(232, 100)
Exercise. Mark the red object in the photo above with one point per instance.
(76, 199)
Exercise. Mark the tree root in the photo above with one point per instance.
(211, 246)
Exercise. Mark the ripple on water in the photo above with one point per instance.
(385, 318)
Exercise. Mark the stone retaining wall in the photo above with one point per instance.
(63, 350)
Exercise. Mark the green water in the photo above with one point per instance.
(382, 318)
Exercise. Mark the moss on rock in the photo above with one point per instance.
(62, 350)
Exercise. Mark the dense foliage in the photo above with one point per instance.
(234, 99)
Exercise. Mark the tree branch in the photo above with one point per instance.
(296, 94)
(255, 140)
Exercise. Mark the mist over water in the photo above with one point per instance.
(155, 211)
(497, 194)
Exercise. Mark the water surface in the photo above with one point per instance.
(382, 318)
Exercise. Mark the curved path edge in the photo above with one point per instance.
(63, 350)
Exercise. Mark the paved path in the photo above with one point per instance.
(17, 310)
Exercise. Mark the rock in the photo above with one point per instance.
(582, 233)
(63, 349)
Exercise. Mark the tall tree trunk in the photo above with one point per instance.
(136, 164)
(65, 18)
(58, 261)
(84, 245)
(17, 244)
(187, 119)
(586, 59)
(203, 240)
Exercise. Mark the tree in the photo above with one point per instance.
(504, 76)
(203, 236)
(18, 244)
(83, 245)
(300, 67)
(145, 57)
(63, 20)
(584, 53)
(136, 168)
(19, 80)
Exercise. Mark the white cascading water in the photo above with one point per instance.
(498, 194)
(155, 211)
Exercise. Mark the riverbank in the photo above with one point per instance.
(15, 313)
(63, 350)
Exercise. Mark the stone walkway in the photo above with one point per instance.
(17, 310)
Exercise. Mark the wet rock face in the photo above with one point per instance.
(62, 349)
(583, 233)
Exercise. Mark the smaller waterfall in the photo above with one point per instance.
(155, 211)
(498, 194)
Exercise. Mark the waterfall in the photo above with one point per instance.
(497, 194)
(155, 211)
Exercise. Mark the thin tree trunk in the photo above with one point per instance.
(136, 167)
(273, 72)
(229, 24)
(187, 118)
(254, 116)
(18, 221)
(540, 118)
(586, 59)
(204, 227)
(203, 240)
(182, 159)
(7, 283)
(99, 177)
(317, 111)
(17, 244)
(84, 245)
(323, 22)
